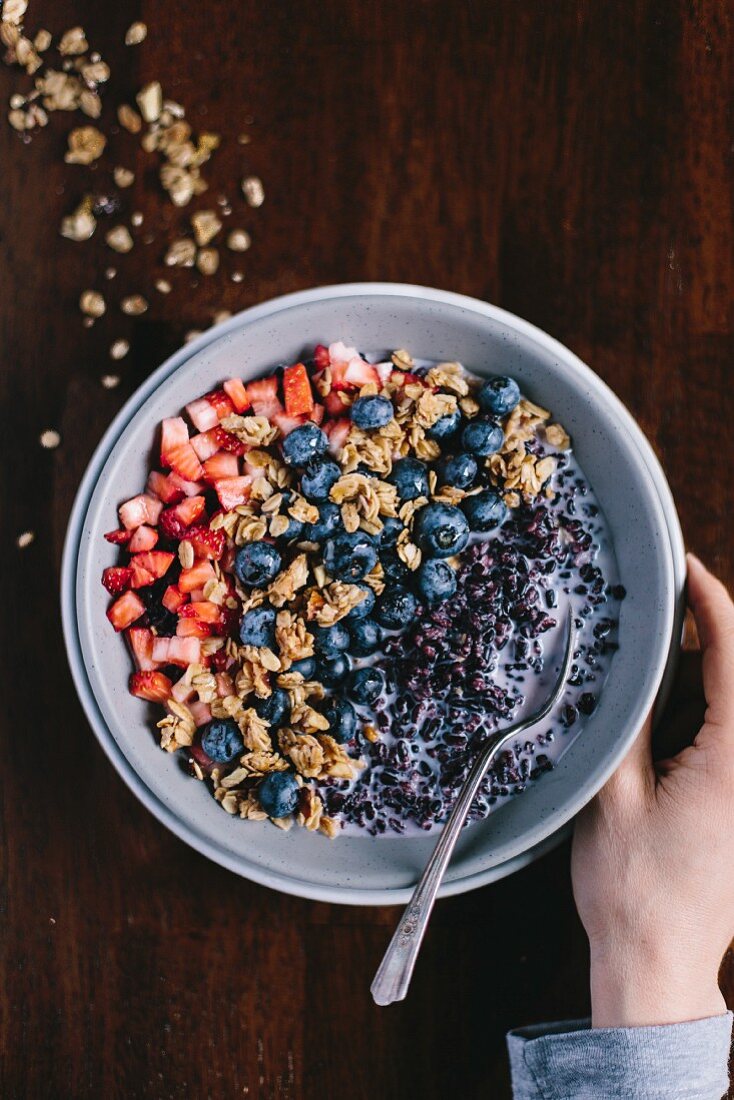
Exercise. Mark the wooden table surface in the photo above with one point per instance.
(569, 161)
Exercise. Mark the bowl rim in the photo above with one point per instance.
(270, 877)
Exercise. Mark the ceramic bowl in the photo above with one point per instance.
(432, 324)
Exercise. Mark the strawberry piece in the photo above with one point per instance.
(153, 686)
(141, 643)
(229, 442)
(148, 567)
(173, 598)
(160, 486)
(182, 691)
(174, 433)
(337, 431)
(232, 491)
(338, 380)
(297, 390)
(225, 684)
(221, 465)
(321, 357)
(183, 461)
(176, 450)
(197, 595)
(193, 628)
(220, 660)
(317, 413)
(204, 761)
(174, 522)
(119, 538)
(263, 394)
(188, 488)
(220, 402)
(236, 392)
(201, 713)
(204, 610)
(125, 611)
(205, 443)
(206, 543)
(116, 579)
(340, 353)
(334, 404)
(202, 414)
(196, 577)
(177, 651)
(359, 373)
(144, 538)
(286, 423)
(139, 510)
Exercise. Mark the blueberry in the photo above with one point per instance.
(435, 580)
(484, 510)
(393, 567)
(366, 637)
(294, 530)
(256, 564)
(391, 528)
(318, 478)
(482, 437)
(257, 626)
(278, 794)
(222, 740)
(445, 425)
(366, 685)
(342, 719)
(330, 640)
(363, 608)
(274, 710)
(350, 556)
(410, 478)
(332, 671)
(372, 412)
(458, 470)
(498, 395)
(329, 522)
(441, 530)
(306, 666)
(395, 607)
(304, 444)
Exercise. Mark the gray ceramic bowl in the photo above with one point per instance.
(433, 324)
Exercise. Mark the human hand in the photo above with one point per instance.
(652, 853)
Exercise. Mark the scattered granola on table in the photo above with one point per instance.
(337, 585)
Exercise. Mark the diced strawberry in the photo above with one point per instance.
(204, 761)
(334, 404)
(227, 559)
(201, 712)
(225, 685)
(232, 491)
(174, 522)
(182, 691)
(125, 611)
(384, 370)
(197, 595)
(359, 373)
(188, 488)
(153, 686)
(204, 610)
(338, 380)
(202, 414)
(138, 510)
(141, 643)
(148, 567)
(116, 579)
(144, 538)
(229, 442)
(321, 357)
(221, 465)
(263, 394)
(205, 444)
(160, 486)
(286, 423)
(119, 538)
(196, 577)
(297, 390)
(206, 543)
(183, 461)
(340, 353)
(173, 598)
(220, 402)
(236, 392)
(174, 433)
(221, 660)
(317, 413)
(193, 628)
(338, 430)
(183, 651)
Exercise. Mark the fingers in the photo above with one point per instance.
(713, 611)
(636, 770)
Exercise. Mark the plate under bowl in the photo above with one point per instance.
(433, 324)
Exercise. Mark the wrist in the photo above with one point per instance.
(643, 986)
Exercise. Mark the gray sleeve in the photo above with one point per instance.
(571, 1061)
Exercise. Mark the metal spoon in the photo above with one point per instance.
(396, 969)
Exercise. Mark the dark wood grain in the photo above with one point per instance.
(570, 161)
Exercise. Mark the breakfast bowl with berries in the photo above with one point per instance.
(319, 558)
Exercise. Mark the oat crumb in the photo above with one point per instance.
(92, 303)
(25, 538)
(135, 34)
(110, 381)
(239, 240)
(119, 349)
(253, 190)
(49, 439)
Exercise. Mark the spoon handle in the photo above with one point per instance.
(396, 969)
